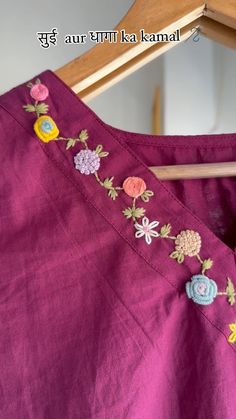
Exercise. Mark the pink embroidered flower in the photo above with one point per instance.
(134, 186)
(39, 92)
(87, 161)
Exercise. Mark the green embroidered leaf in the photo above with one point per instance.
(180, 258)
(165, 230)
(107, 183)
(174, 254)
(29, 108)
(134, 213)
(112, 193)
(230, 292)
(99, 148)
(70, 143)
(146, 195)
(230, 286)
(138, 212)
(103, 154)
(207, 264)
(41, 108)
(83, 136)
(29, 85)
(127, 212)
(37, 81)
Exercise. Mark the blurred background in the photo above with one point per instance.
(191, 89)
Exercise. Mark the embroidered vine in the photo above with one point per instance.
(187, 243)
(136, 188)
(201, 289)
(86, 161)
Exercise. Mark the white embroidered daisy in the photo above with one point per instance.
(146, 229)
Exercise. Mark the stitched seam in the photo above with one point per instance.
(75, 241)
(125, 238)
(142, 164)
(76, 244)
(88, 199)
(172, 137)
(229, 251)
(210, 147)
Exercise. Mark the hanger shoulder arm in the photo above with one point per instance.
(104, 58)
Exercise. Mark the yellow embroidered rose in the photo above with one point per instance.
(232, 336)
(46, 129)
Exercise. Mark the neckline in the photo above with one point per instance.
(196, 140)
(71, 115)
(216, 140)
(116, 134)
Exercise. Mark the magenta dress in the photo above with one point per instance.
(117, 290)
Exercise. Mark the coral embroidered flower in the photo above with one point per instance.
(232, 336)
(134, 186)
(187, 243)
(46, 129)
(202, 290)
(39, 92)
(87, 161)
(146, 229)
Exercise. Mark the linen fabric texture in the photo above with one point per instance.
(95, 323)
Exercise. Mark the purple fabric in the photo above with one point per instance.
(94, 322)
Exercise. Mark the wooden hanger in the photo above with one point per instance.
(106, 64)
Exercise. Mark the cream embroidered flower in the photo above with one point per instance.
(146, 229)
(187, 243)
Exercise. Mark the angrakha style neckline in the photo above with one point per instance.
(123, 162)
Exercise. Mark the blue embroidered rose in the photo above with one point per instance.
(46, 126)
(201, 289)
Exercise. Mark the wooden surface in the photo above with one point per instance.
(217, 32)
(104, 59)
(134, 64)
(222, 11)
(156, 112)
(194, 171)
(106, 64)
(212, 29)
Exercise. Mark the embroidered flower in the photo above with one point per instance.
(146, 229)
(232, 336)
(134, 186)
(87, 161)
(201, 289)
(187, 243)
(39, 92)
(46, 126)
(46, 129)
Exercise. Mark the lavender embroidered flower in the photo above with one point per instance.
(202, 290)
(87, 161)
